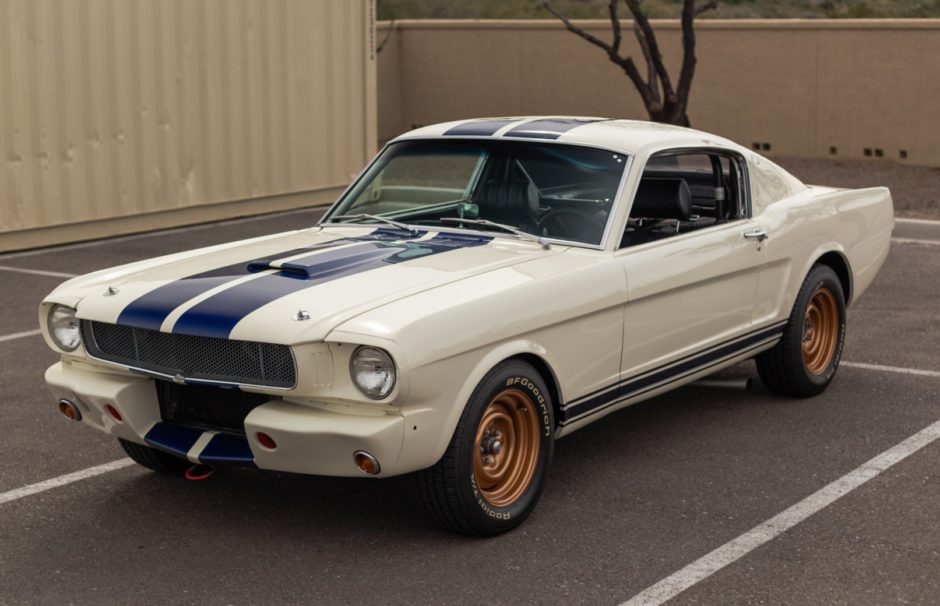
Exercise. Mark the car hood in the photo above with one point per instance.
(287, 288)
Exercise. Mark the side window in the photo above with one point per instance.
(683, 192)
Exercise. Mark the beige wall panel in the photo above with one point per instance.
(757, 85)
(112, 110)
(881, 89)
(801, 86)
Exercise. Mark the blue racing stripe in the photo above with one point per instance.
(218, 315)
(548, 128)
(151, 309)
(479, 128)
(172, 438)
(636, 386)
(227, 449)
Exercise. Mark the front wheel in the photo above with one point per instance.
(494, 468)
(805, 360)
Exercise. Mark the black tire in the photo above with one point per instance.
(785, 369)
(452, 494)
(154, 459)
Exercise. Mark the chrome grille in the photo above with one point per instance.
(203, 358)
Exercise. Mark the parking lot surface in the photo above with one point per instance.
(630, 501)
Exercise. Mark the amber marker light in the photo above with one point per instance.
(69, 410)
(367, 463)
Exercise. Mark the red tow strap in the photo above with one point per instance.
(199, 472)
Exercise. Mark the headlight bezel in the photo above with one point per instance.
(383, 355)
(53, 324)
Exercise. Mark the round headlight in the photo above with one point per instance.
(63, 327)
(373, 372)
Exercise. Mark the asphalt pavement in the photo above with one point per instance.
(631, 499)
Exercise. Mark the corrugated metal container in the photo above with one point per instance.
(125, 115)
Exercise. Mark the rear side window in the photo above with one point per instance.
(686, 191)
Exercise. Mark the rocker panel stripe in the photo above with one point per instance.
(667, 373)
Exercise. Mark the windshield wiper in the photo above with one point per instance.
(401, 226)
(513, 230)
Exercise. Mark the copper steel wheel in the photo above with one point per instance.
(493, 471)
(821, 326)
(806, 358)
(506, 449)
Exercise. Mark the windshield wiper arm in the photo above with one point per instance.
(401, 226)
(509, 228)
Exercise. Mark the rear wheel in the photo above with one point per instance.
(154, 459)
(805, 360)
(493, 471)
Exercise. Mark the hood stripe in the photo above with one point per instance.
(151, 309)
(218, 315)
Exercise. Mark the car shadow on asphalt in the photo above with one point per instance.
(292, 506)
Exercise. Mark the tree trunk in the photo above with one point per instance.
(663, 103)
(668, 114)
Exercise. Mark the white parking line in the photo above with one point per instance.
(915, 241)
(735, 549)
(879, 367)
(37, 272)
(694, 572)
(31, 489)
(20, 335)
(918, 221)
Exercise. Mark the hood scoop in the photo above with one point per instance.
(326, 264)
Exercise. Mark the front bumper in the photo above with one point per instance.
(309, 440)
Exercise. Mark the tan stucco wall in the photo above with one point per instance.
(801, 86)
(120, 116)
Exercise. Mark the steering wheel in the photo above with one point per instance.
(571, 224)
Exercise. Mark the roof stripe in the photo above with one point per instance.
(479, 128)
(548, 128)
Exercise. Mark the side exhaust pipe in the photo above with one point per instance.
(736, 384)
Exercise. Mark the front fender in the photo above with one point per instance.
(439, 393)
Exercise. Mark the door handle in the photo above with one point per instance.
(758, 234)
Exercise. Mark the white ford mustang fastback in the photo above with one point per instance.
(483, 288)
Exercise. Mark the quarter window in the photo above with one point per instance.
(683, 192)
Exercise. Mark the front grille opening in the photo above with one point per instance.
(207, 358)
(207, 406)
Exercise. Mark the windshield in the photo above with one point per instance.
(550, 190)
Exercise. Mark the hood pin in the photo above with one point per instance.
(301, 316)
(111, 291)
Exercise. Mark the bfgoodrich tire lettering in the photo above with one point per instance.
(494, 469)
(807, 357)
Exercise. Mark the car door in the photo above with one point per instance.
(691, 298)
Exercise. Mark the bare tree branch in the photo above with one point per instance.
(651, 77)
(571, 27)
(614, 24)
(388, 34)
(662, 102)
(713, 4)
(625, 63)
(644, 25)
(688, 56)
